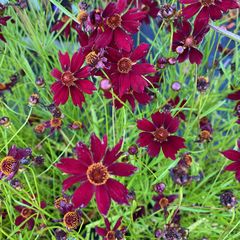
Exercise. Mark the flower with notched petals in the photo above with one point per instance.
(186, 40)
(10, 164)
(71, 80)
(111, 234)
(93, 169)
(207, 9)
(126, 72)
(28, 214)
(158, 134)
(118, 25)
(234, 156)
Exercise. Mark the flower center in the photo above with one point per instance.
(57, 202)
(207, 2)
(71, 220)
(161, 134)
(7, 165)
(124, 65)
(26, 212)
(114, 21)
(3, 86)
(205, 135)
(82, 16)
(97, 174)
(163, 202)
(68, 78)
(92, 58)
(189, 41)
(111, 235)
(56, 122)
(64, 19)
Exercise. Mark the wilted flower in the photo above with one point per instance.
(33, 99)
(40, 82)
(10, 164)
(3, 21)
(186, 40)
(76, 125)
(72, 80)
(157, 135)
(167, 11)
(111, 234)
(54, 124)
(227, 199)
(28, 214)
(93, 169)
(4, 121)
(139, 212)
(133, 150)
(202, 84)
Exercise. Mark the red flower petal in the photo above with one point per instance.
(191, 10)
(195, 56)
(86, 86)
(232, 155)
(77, 96)
(235, 166)
(188, 1)
(77, 61)
(98, 148)
(72, 166)
(121, 5)
(139, 52)
(113, 154)
(143, 68)
(118, 223)
(145, 125)
(154, 148)
(64, 60)
(101, 231)
(158, 119)
(182, 57)
(19, 220)
(117, 191)
(123, 40)
(83, 154)
(124, 83)
(171, 123)
(138, 83)
(122, 169)
(83, 195)
(68, 182)
(203, 16)
(56, 74)
(61, 95)
(103, 199)
(83, 72)
(145, 139)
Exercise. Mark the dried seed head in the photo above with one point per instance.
(5, 122)
(33, 99)
(40, 82)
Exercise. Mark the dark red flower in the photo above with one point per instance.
(236, 97)
(119, 25)
(3, 21)
(28, 214)
(158, 134)
(126, 71)
(207, 9)
(111, 234)
(10, 164)
(60, 24)
(234, 156)
(93, 169)
(131, 97)
(186, 40)
(71, 80)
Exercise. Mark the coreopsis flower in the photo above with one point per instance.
(27, 214)
(94, 169)
(236, 97)
(119, 24)
(207, 9)
(158, 135)
(131, 97)
(10, 164)
(110, 234)
(127, 73)
(72, 80)
(3, 21)
(234, 156)
(202, 84)
(54, 124)
(172, 103)
(186, 41)
(206, 130)
(228, 199)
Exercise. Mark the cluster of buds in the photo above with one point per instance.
(206, 130)
(162, 201)
(162, 62)
(172, 232)
(228, 199)
(167, 12)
